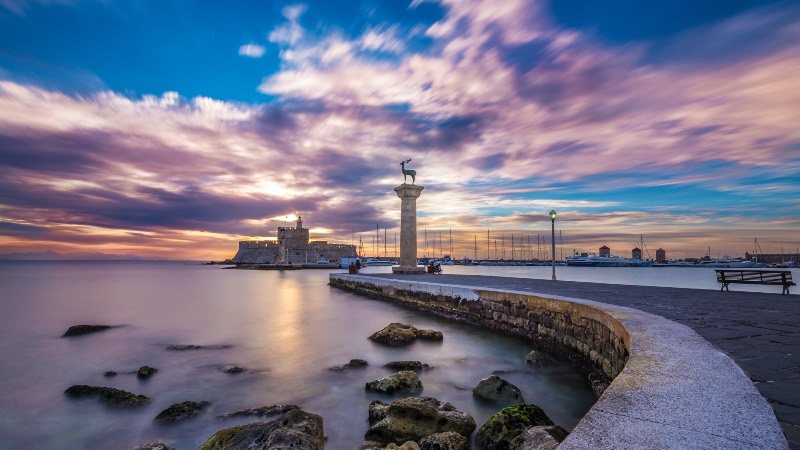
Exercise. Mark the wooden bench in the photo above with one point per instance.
(737, 276)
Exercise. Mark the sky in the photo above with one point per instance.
(173, 129)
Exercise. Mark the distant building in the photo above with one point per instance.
(605, 251)
(292, 247)
(661, 255)
(636, 253)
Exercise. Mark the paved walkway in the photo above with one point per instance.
(760, 332)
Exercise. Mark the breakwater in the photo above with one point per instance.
(670, 388)
(595, 342)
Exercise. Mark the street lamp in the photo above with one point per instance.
(553, 241)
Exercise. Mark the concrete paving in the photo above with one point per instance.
(760, 332)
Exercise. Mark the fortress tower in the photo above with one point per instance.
(293, 244)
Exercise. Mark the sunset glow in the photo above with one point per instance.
(169, 130)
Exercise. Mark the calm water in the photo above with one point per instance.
(286, 328)
(679, 277)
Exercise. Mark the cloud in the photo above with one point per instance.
(577, 126)
(251, 50)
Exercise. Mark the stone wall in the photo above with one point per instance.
(256, 252)
(594, 341)
(267, 252)
(676, 390)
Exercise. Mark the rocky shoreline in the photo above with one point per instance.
(406, 423)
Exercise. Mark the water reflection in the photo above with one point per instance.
(285, 328)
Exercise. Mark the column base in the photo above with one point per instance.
(408, 270)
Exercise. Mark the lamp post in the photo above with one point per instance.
(553, 241)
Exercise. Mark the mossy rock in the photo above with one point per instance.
(508, 423)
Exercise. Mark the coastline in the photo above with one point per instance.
(674, 387)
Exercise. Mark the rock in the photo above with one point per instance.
(180, 411)
(370, 445)
(296, 430)
(449, 440)
(146, 372)
(508, 423)
(406, 365)
(498, 390)
(261, 412)
(405, 381)
(231, 369)
(377, 411)
(540, 359)
(413, 418)
(184, 347)
(109, 396)
(110, 373)
(539, 438)
(197, 347)
(353, 364)
(409, 445)
(78, 330)
(154, 446)
(395, 334)
(430, 335)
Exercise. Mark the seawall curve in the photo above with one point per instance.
(669, 387)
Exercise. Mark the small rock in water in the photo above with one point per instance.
(109, 396)
(406, 365)
(184, 347)
(110, 373)
(397, 334)
(496, 389)
(430, 335)
(261, 412)
(231, 369)
(158, 445)
(405, 381)
(539, 359)
(146, 372)
(539, 438)
(197, 347)
(180, 411)
(295, 429)
(413, 418)
(353, 364)
(508, 423)
(78, 330)
(449, 440)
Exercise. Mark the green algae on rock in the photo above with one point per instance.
(508, 423)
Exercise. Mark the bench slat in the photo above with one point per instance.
(768, 277)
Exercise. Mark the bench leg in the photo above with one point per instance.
(724, 287)
(785, 290)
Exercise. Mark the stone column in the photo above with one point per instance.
(408, 193)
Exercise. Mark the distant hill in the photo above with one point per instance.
(82, 256)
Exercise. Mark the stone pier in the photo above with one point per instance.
(408, 193)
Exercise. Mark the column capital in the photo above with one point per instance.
(408, 190)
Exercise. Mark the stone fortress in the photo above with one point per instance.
(292, 247)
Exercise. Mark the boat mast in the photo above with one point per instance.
(451, 242)
(476, 247)
(488, 246)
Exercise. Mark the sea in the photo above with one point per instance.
(285, 328)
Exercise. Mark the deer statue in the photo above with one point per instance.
(413, 173)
